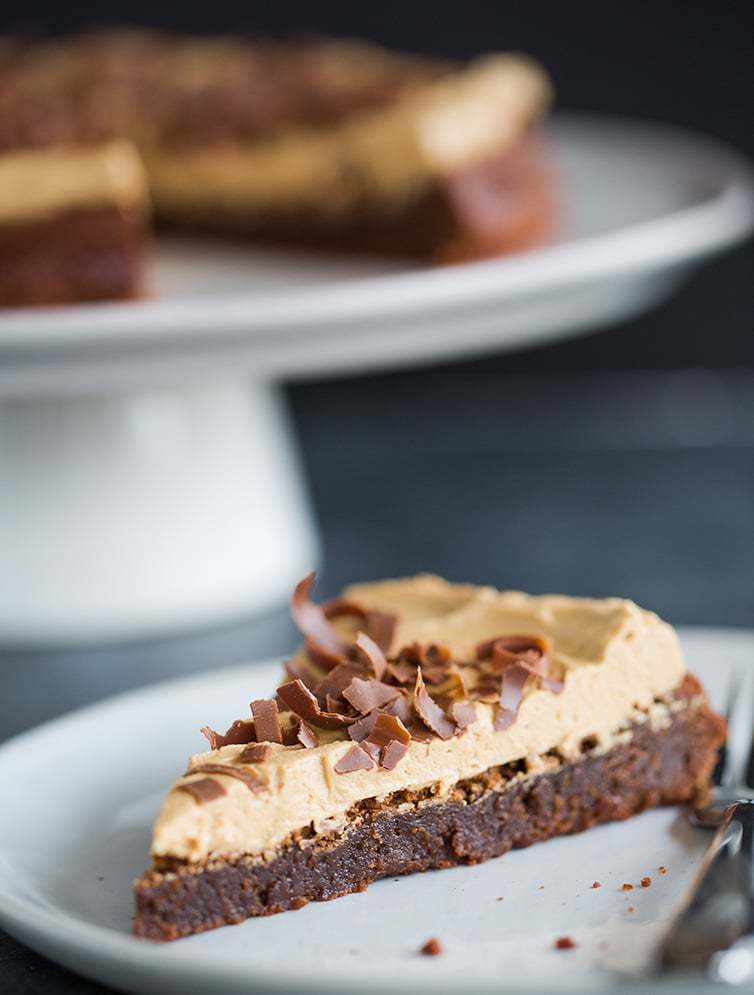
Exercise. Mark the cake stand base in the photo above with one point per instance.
(146, 511)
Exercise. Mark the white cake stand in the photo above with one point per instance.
(148, 478)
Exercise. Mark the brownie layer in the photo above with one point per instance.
(84, 254)
(481, 818)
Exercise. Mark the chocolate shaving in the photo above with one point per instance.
(381, 628)
(240, 732)
(290, 733)
(514, 682)
(307, 736)
(393, 753)
(355, 759)
(402, 672)
(365, 696)
(360, 729)
(266, 722)
(400, 706)
(301, 701)
(321, 639)
(334, 683)
(372, 653)
(434, 661)
(517, 658)
(297, 671)
(254, 753)
(463, 714)
(253, 781)
(429, 712)
(390, 737)
(205, 790)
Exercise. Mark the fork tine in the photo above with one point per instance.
(721, 772)
(749, 771)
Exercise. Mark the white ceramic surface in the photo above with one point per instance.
(79, 795)
(131, 462)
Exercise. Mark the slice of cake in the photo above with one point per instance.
(73, 224)
(426, 724)
(330, 144)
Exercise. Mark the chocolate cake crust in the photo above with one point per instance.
(483, 817)
(84, 254)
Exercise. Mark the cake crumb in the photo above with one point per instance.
(432, 948)
(630, 909)
(626, 886)
(596, 884)
(646, 882)
(541, 888)
(564, 943)
(499, 898)
(662, 869)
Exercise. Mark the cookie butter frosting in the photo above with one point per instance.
(615, 660)
(35, 183)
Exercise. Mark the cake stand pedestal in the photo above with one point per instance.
(137, 510)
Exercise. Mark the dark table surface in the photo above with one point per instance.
(619, 463)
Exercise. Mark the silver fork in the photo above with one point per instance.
(713, 931)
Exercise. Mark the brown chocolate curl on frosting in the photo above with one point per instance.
(355, 759)
(307, 736)
(266, 722)
(368, 650)
(464, 714)
(429, 711)
(254, 753)
(241, 732)
(205, 790)
(334, 683)
(303, 703)
(367, 695)
(320, 637)
(325, 646)
(517, 659)
(253, 781)
(434, 661)
(389, 738)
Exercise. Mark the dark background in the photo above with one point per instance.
(620, 462)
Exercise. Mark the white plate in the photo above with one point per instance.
(640, 204)
(79, 795)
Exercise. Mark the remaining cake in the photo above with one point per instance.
(426, 724)
(329, 144)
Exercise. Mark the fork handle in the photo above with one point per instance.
(718, 909)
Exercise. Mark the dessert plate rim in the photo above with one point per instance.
(115, 958)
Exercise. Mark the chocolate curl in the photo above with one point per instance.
(204, 790)
(301, 701)
(336, 681)
(355, 759)
(365, 696)
(429, 712)
(512, 689)
(517, 658)
(307, 736)
(298, 672)
(254, 753)
(464, 714)
(240, 732)
(266, 722)
(372, 654)
(530, 652)
(379, 626)
(321, 639)
(253, 781)
(388, 741)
